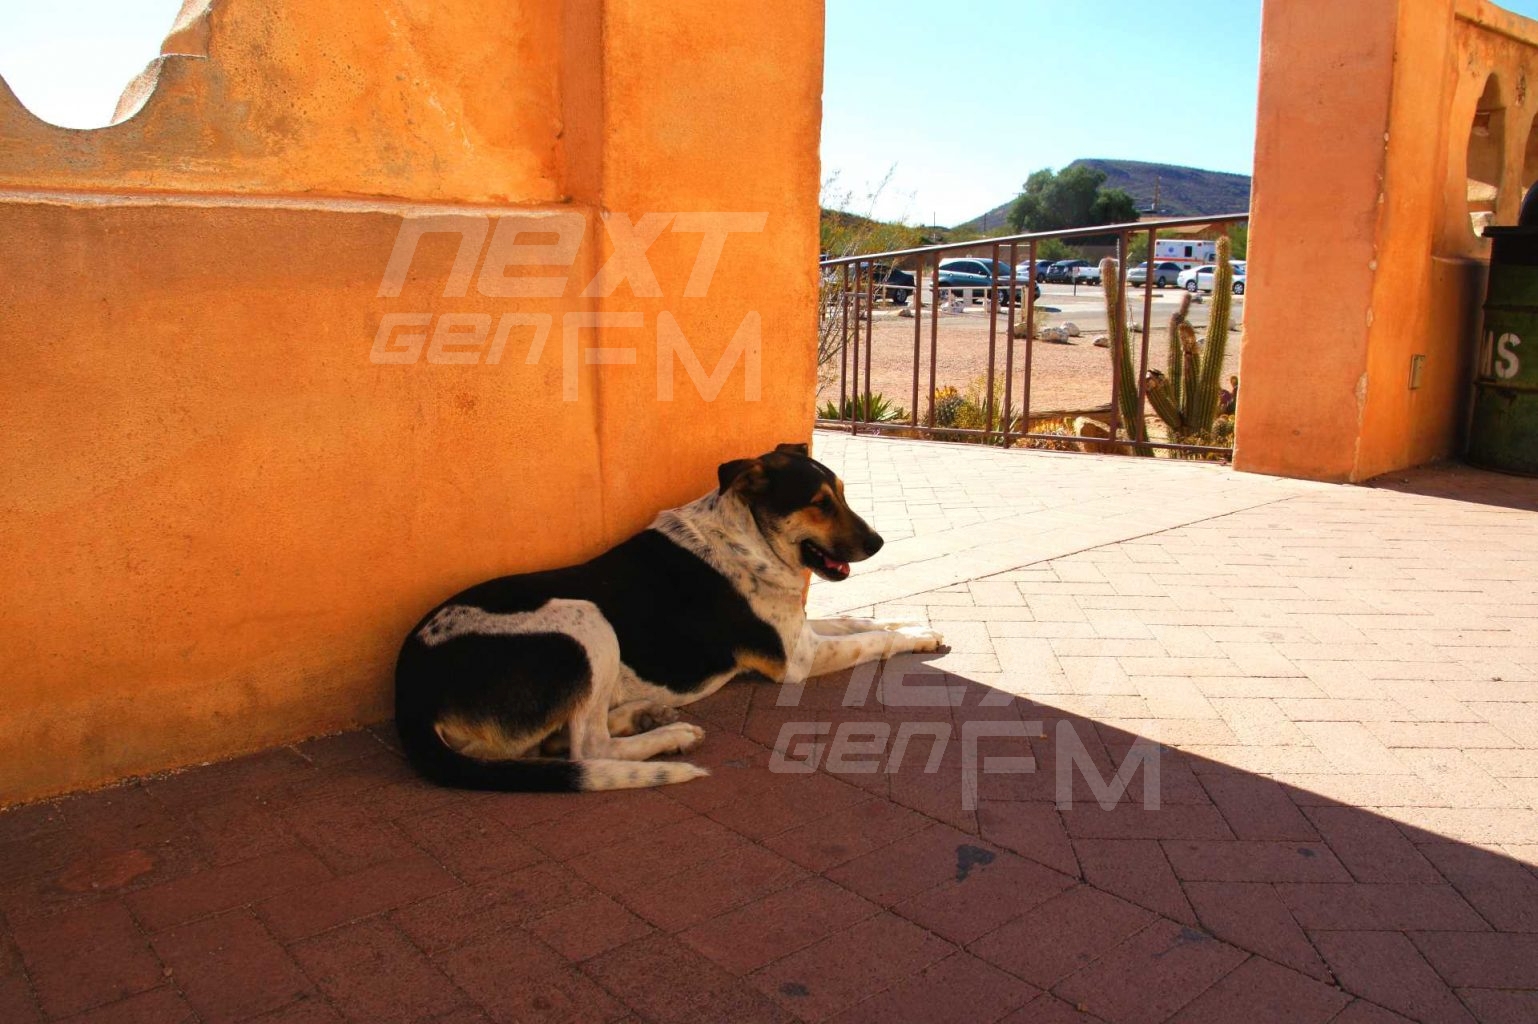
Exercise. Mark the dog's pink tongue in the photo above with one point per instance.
(837, 568)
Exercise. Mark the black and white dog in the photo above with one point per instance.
(593, 660)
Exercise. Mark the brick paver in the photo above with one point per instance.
(1339, 688)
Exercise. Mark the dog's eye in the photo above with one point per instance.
(824, 504)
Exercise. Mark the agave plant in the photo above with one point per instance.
(872, 408)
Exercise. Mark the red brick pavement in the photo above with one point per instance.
(1343, 682)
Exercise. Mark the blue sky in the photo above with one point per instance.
(962, 107)
(961, 101)
(958, 101)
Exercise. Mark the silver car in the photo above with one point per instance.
(1166, 274)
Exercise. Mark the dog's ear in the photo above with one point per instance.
(794, 449)
(745, 474)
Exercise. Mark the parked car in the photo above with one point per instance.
(896, 283)
(970, 271)
(1038, 272)
(1026, 272)
(891, 283)
(1089, 274)
(1201, 278)
(975, 287)
(1062, 272)
(1043, 267)
(975, 265)
(1165, 274)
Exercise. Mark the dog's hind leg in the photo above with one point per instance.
(677, 738)
(601, 754)
(635, 716)
(557, 744)
(591, 739)
(615, 762)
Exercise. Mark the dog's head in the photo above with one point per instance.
(798, 504)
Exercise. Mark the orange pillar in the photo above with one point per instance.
(1362, 262)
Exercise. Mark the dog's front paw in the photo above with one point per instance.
(686, 736)
(921, 638)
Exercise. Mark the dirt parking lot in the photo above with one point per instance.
(1076, 375)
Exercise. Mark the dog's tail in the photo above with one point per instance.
(442, 764)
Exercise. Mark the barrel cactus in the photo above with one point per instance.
(948, 406)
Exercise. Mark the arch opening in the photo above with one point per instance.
(1486, 156)
(68, 64)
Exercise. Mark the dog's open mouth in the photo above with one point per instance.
(822, 563)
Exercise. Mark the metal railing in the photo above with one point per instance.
(856, 280)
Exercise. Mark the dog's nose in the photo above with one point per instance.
(873, 543)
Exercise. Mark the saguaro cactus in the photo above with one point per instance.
(1121, 355)
(1187, 397)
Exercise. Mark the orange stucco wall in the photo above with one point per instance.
(220, 510)
(1361, 253)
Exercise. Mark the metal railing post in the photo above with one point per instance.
(1009, 334)
(843, 345)
(993, 331)
(870, 331)
(934, 335)
(1030, 343)
(1142, 372)
(918, 335)
(1115, 417)
(854, 361)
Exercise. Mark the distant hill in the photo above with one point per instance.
(1183, 191)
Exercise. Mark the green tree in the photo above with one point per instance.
(1239, 236)
(1137, 251)
(1073, 198)
(1055, 249)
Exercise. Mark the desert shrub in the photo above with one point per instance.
(1053, 426)
(968, 410)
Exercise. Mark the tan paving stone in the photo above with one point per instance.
(1352, 748)
(1521, 763)
(1245, 686)
(1457, 735)
(1270, 761)
(1175, 697)
(1360, 790)
(1257, 721)
(1460, 780)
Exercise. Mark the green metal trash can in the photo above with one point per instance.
(1503, 432)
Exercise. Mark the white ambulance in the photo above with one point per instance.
(1187, 252)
